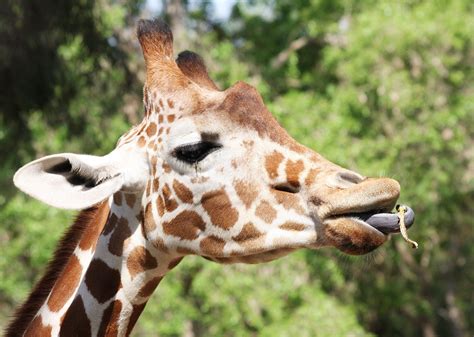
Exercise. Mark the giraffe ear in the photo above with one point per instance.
(192, 65)
(69, 181)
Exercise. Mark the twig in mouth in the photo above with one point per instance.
(403, 229)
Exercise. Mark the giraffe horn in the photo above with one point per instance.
(192, 65)
(156, 41)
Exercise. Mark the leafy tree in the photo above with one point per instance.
(383, 88)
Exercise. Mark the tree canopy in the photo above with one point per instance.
(380, 87)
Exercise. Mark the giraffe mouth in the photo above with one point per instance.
(383, 221)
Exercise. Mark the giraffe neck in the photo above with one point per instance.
(107, 279)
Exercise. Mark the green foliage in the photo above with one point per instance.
(276, 299)
(381, 87)
(401, 104)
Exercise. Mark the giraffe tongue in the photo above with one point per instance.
(387, 222)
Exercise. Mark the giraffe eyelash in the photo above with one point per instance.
(194, 153)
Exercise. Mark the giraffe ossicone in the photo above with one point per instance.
(207, 172)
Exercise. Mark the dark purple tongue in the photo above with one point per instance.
(388, 222)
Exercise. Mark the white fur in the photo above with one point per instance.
(121, 169)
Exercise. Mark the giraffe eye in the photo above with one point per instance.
(193, 153)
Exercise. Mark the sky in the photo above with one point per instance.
(222, 7)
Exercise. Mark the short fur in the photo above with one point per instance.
(192, 65)
(25, 314)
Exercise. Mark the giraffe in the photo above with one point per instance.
(207, 172)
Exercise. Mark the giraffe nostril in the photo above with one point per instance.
(286, 187)
(350, 177)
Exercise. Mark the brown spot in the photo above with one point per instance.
(149, 222)
(298, 148)
(289, 201)
(160, 102)
(170, 103)
(130, 199)
(167, 168)
(248, 232)
(65, 285)
(148, 188)
(185, 251)
(102, 281)
(293, 226)
(153, 167)
(141, 141)
(212, 245)
(246, 192)
(91, 234)
(118, 198)
(119, 237)
(171, 118)
(140, 260)
(160, 244)
(272, 162)
(160, 205)
(170, 202)
(217, 204)
(136, 312)
(151, 129)
(311, 177)
(76, 322)
(183, 192)
(160, 120)
(234, 164)
(293, 171)
(167, 131)
(149, 287)
(37, 329)
(110, 319)
(266, 212)
(248, 144)
(156, 184)
(153, 161)
(186, 225)
(139, 217)
(199, 180)
(252, 246)
(174, 262)
(316, 201)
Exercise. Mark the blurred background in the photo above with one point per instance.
(380, 87)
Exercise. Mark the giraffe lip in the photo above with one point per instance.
(385, 222)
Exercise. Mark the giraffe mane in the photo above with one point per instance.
(27, 311)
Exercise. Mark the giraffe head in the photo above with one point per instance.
(216, 175)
